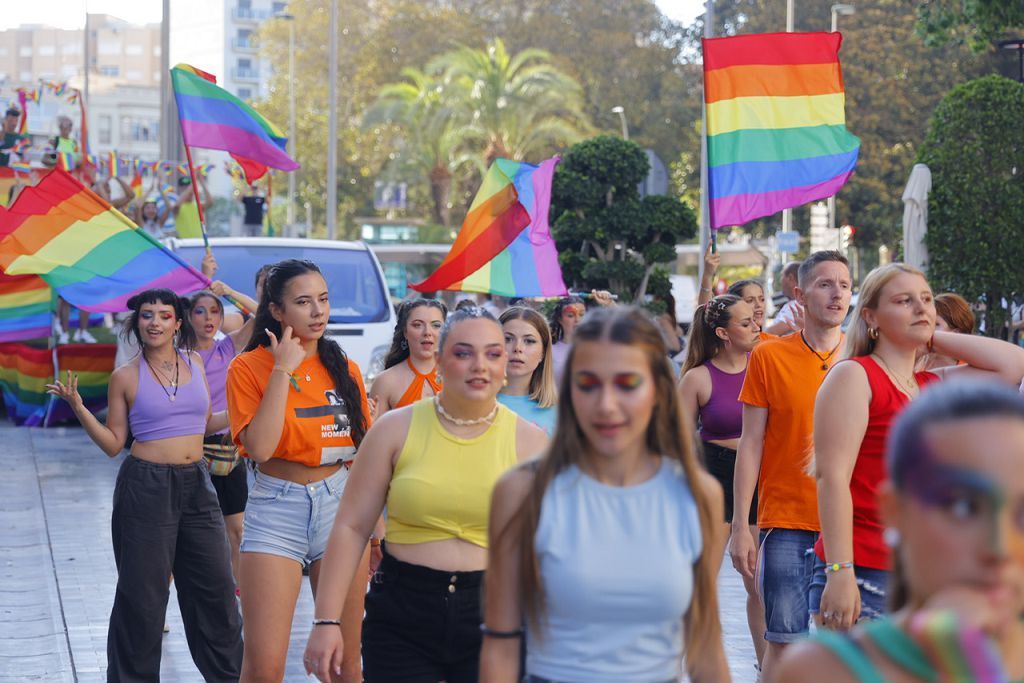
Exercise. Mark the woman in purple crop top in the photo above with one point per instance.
(164, 519)
(722, 336)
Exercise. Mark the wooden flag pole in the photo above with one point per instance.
(199, 201)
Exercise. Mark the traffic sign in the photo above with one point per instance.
(787, 241)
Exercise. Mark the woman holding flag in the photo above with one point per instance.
(165, 518)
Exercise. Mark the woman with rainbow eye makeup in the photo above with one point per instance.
(601, 547)
(894, 319)
(953, 506)
(564, 318)
(433, 464)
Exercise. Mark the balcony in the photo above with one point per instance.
(245, 74)
(248, 14)
(244, 44)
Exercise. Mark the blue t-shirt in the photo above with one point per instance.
(526, 408)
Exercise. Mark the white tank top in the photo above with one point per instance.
(617, 567)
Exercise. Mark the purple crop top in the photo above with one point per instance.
(216, 360)
(154, 416)
(721, 418)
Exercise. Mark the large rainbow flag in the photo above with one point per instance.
(776, 123)
(25, 371)
(25, 307)
(90, 253)
(213, 118)
(505, 245)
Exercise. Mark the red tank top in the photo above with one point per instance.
(869, 550)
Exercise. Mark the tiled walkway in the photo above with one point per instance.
(57, 569)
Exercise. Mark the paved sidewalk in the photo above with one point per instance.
(57, 572)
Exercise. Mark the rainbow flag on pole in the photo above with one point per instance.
(25, 307)
(90, 253)
(776, 123)
(25, 371)
(213, 118)
(505, 245)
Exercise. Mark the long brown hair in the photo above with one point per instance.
(704, 344)
(668, 434)
(542, 382)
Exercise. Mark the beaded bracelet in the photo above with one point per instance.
(833, 567)
(326, 622)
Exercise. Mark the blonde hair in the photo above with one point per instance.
(858, 340)
(668, 434)
(542, 383)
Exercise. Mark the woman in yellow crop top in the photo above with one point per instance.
(434, 464)
(410, 368)
(298, 409)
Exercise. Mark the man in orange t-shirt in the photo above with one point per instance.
(783, 376)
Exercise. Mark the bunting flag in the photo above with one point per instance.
(505, 245)
(776, 123)
(213, 118)
(26, 370)
(66, 161)
(25, 307)
(136, 183)
(22, 167)
(113, 164)
(90, 253)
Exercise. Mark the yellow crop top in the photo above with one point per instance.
(442, 484)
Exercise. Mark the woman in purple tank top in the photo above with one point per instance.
(229, 480)
(722, 336)
(165, 517)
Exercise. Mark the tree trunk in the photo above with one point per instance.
(440, 189)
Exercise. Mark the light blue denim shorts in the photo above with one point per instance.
(291, 520)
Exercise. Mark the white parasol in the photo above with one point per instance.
(915, 216)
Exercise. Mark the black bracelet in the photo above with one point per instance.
(518, 633)
(326, 622)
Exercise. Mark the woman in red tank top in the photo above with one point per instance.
(893, 322)
(410, 368)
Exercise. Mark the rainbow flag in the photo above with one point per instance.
(26, 370)
(21, 145)
(25, 307)
(776, 123)
(66, 161)
(23, 167)
(90, 253)
(112, 164)
(505, 245)
(213, 118)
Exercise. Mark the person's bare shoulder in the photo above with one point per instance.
(810, 662)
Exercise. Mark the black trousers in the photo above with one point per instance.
(422, 625)
(166, 520)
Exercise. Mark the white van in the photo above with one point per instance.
(362, 319)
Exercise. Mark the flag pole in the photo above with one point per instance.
(707, 233)
(195, 193)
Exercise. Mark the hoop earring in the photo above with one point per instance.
(873, 333)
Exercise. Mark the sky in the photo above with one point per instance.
(71, 13)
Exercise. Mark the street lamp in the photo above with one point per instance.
(845, 10)
(622, 117)
(290, 18)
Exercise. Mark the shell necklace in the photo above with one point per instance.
(488, 418)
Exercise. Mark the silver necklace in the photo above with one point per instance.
(911, 385)
(488, 418)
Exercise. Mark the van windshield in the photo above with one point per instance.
(357, 293)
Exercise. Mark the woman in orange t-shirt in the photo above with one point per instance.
(410, 368)
(298, 409)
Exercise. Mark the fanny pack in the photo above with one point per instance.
(222, 458)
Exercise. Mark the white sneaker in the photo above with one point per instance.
(77, 336)
(62, 338)
(86, 337)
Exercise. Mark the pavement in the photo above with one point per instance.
(57, 573)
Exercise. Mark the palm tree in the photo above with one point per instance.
(433, 141)
(514, 105)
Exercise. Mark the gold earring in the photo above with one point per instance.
(504, 381)
(873, 333)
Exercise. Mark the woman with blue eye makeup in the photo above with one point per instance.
(206, 314)
(433, 464)
(953, 506)
(894, 320)
(599, 556)
(165, 517)
(530, 390)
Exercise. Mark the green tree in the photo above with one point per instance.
(975, 149)
(607, 235)
(979, 22)
(513, 105)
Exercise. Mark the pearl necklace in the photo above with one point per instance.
(488, 418)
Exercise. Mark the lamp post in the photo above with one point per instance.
(290, 18)
(1018, 45)
(845, 10)
(332, 126)
(622, 117)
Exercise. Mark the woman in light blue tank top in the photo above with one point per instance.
(530, 389)
(597, 549)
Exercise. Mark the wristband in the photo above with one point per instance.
(518, 633)
(705, 289)
(374, 542)
(326, 622)
(833, 567)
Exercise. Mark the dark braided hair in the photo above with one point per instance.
(703, 343)
(186, 334)
(330, 354)
(399, 350)
(555, 320)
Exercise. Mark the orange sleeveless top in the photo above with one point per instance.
(415, 390)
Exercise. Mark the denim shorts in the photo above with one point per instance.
(291, 520)
(784, 563)
(871, 582)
